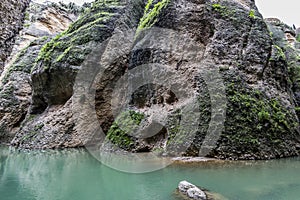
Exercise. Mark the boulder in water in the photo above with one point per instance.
(191, 191)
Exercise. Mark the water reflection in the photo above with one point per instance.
(76, 175)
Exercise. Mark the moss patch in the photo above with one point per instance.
(24, 61)
(298, 38)
(93, 25)
(255, 123)
(223, 10)
(151, 13)
(280, 52)
(252, 14)
(128, 121)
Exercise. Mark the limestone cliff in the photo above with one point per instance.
(11, 19)
(223, 80)
(42, 22)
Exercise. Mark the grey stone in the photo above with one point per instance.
(191, 191)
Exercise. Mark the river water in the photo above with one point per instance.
(76, 175)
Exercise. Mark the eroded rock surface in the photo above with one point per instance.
(225, 86)
(16, 88)
(12, 13)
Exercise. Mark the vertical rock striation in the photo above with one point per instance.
(12, 13)
(197, 47)
(42, 22)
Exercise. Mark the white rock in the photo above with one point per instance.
(196, 193)
(191, 191)
(183, 186)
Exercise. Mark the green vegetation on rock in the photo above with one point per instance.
(124, 125)
(24, 61)
(252, 14)
(33, 132)
(277, 54)
(151, 13)
(223, 10)
(298, 38)
(91, 26)
(255, 121)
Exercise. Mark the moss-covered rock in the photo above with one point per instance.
(151, 13)
(15, 90)
(122, 129)
(286, 56)
(12, 17)
(202, 46)
(256, 127)
(59, 59)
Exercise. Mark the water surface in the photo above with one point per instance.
(76, 175)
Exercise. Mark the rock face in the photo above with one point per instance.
(16, 90)
(285, 38)
(53, 77)
(223, 80)
(44, 22)
(11, 18)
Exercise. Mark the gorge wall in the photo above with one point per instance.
(225, 81)
(12, 14)
(41, 23)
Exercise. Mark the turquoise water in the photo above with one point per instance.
(76, 175)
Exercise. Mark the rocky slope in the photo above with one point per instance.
(11, 18)
(42, 22)
(191, 77)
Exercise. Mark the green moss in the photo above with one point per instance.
(252, 119)
(102, 3)
(147, 7)
(218, 7)
(7, 92)
(94, 20)
(128, 121)
(298, 38)
(173, 125)
(38, 126)
(18, 65)
(27, 15)
(223, 10)
(89, 27)
(63, 54)
(48, 48)
(263, 115)
(31, 117)
(29, 135)
(76, 55)
(278, 54)
(252, 14)
(151, 13)
(88, 19)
